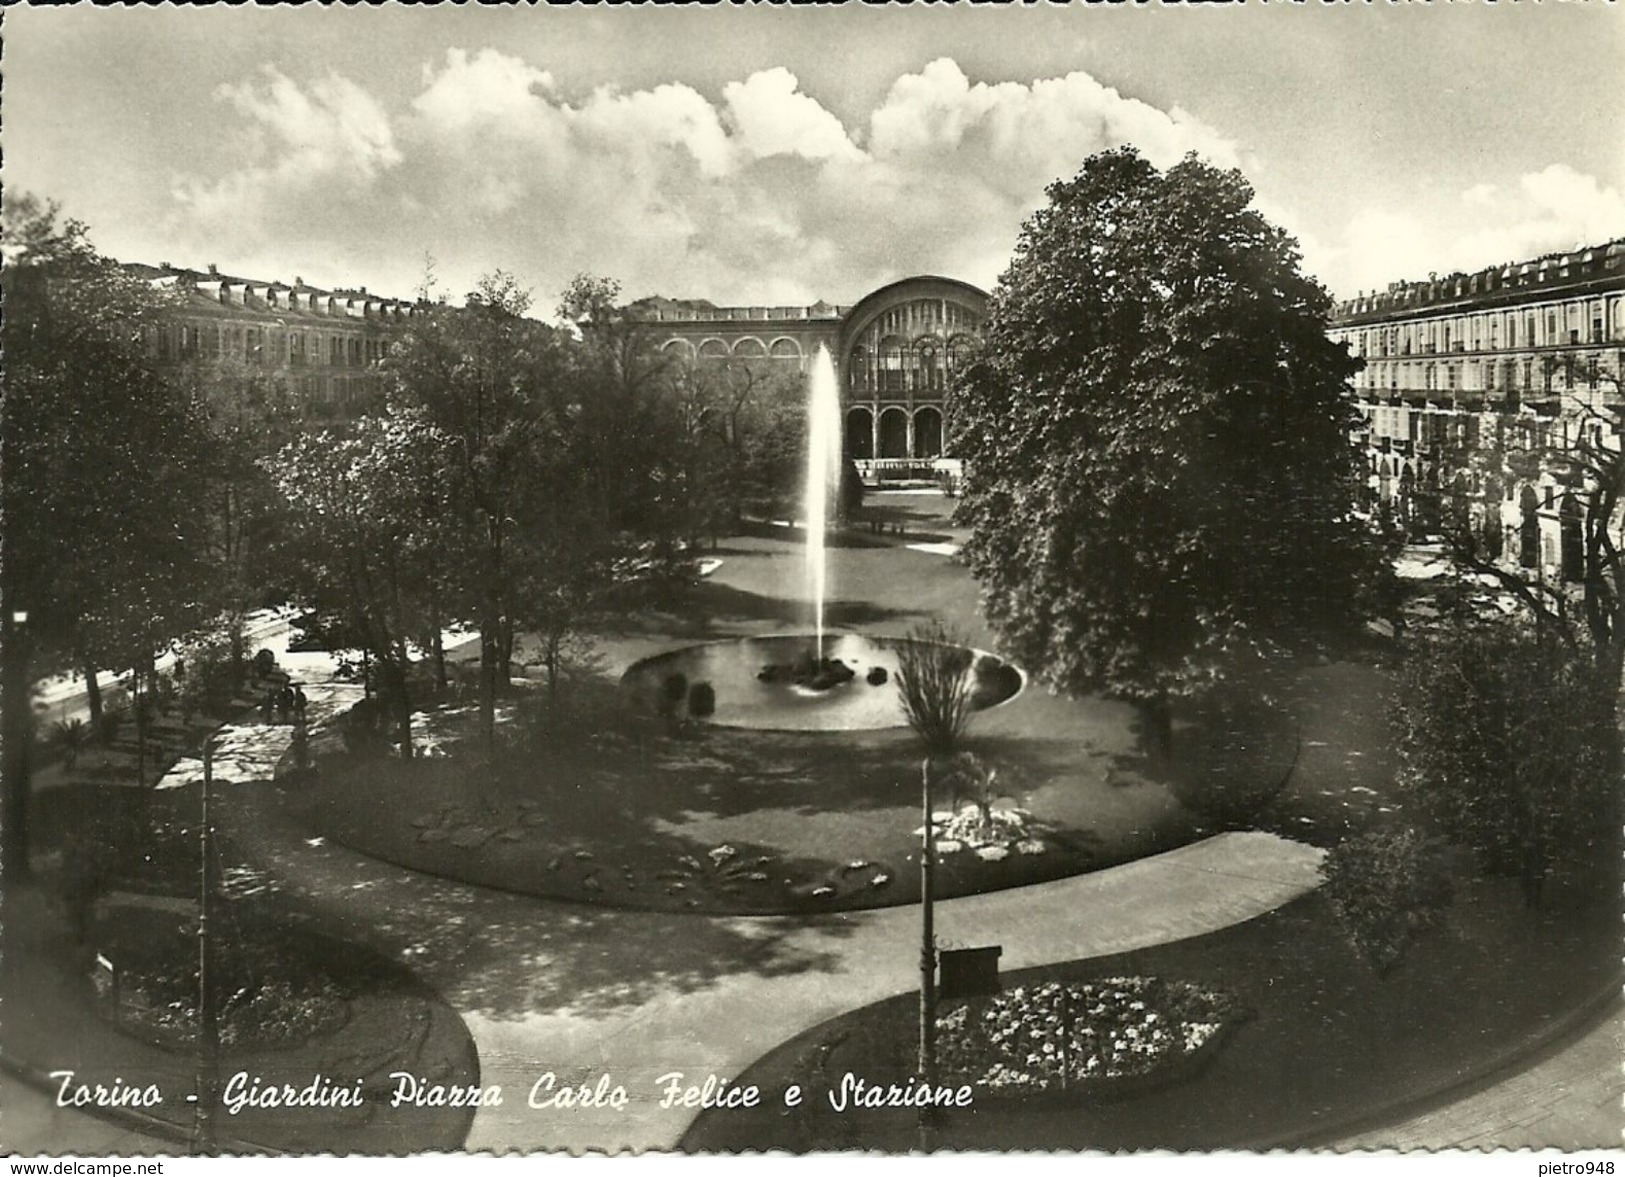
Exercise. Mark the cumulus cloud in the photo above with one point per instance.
(759, 193)
(1028, 134)
(771, 116)
(329, 135)
(1540, 212)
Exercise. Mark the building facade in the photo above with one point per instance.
(895, 353)
(315, 351)
(1521, 358)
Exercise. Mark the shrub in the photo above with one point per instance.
(933, 681)
(673, 689)
(994, 681)
(1386, 887)
(107, 727)
(702, 700)
(209, 678)
(69, 736)
(360, 727)
(1510, 745)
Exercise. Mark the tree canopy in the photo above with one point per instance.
(370, 524)
(1160, 480)
(101, 525)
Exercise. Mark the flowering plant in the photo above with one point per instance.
(1079, 1034)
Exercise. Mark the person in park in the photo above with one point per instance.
(1159, 475)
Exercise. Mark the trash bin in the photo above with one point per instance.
(968, 972)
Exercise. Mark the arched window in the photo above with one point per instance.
(928, 433)
(927, 365)
(1571, 517)
(892, 357)
(894, 433)
(860, 433)
(857, 371)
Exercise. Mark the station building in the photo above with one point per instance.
(895, 351)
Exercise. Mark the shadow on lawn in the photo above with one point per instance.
(506, 956)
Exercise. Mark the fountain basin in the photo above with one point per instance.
(751, 686)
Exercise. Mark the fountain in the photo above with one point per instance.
(823, 480)
(830, 682)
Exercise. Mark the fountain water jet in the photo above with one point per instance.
(823, 477)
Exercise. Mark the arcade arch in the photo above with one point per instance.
(893, 433)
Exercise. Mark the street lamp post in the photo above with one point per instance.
(16, 737)
(928, 956)
(208, 1060)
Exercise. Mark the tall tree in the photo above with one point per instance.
(741, 425)
(251, 415)
(372, 519)
(1159, 476)
(492, 382)
(100, 527)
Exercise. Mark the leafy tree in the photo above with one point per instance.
(1579, 450)
(494, 383)
(251, 414)
(743, 427)
(1510, 746)
(1386, 887)
(366, 509)
(99, 509)
(1159, 474)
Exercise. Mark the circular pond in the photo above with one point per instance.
(778, 684)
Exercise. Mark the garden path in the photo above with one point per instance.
(721, 1029)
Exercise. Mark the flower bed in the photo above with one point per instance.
(992, 835)
(1115, 1036)
(272, 991)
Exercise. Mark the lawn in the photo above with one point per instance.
(592, 800)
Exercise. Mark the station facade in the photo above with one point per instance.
(895, 351)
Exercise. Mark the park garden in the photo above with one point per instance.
(1151, 620)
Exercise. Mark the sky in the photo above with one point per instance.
(779, 155)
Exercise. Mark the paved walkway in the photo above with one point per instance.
(722, 1028)
(582, 992)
